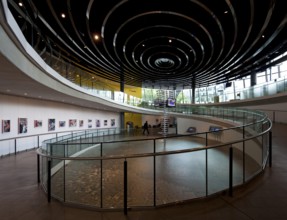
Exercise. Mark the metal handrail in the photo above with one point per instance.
(111, 157)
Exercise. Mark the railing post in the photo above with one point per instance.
(125, 188)
(154, 174)
(38, 168)
(64, 181)
(243, 158)
(270, 148)
(15, 146)
(49, 180)
(230, 171)
(101, 175)
(206, 171)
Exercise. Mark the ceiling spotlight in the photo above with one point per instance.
(20, 4)
(263, 36)
(226, 12)
(169, 41)
(96, 37)
(63, 15)
(143, 45)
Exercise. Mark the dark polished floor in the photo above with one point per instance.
(263, 198)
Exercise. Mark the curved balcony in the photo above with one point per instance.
(119, 170)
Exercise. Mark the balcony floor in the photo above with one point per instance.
(263, 198)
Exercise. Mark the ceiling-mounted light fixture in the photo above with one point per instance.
(96, 37)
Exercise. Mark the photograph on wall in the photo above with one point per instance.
(22, 125)
(73, 123)
(98, 123)
(90, 125)
(51, 124)
(37, 123)
(81, 122)
(113, 122)
(105, 122)
(62, 124)
(5, 126)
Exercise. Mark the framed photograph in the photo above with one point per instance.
(62, 124)
(37, 123)
(73, 123)
(105, 122)
(81, 122)
(51, 124)
(98, 123)
(113, 122)
(90, 125)
(5, 126)
(22, 125)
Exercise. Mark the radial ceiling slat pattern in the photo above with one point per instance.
(154, 43)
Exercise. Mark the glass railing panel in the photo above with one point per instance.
(217, 169)
(180, 177)
(7, 147)
(57, 179)
(140, 181)
(113, 185)
(280, 86)
(58, 150)
(238, 157)
(253, 157)
(43, 170)
(231, 134)
(265, 143)
(128, 147)
(180, 143)
(83, 182)
(73, 149)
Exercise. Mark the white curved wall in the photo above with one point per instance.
(13, 108)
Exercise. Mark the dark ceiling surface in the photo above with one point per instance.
(154, 43)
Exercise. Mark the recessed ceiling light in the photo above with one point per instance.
(20, 4)
(143, 45)
(169, 41)
(63, 15)
(96, 37)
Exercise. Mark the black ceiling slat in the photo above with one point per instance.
(211, 41)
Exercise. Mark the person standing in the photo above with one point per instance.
(145, 128)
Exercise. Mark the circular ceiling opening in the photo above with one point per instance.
(164, 63)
